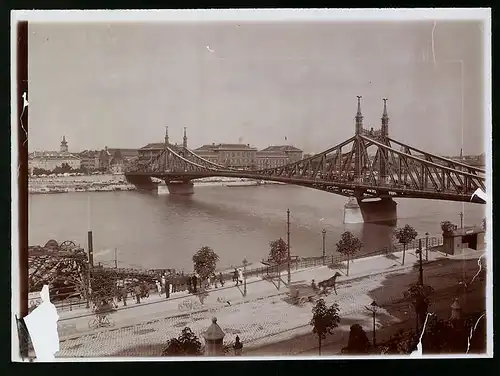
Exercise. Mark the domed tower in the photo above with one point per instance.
(64, 145)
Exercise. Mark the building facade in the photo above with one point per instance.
(150, 151)
(241, 156)
(279, 155)
(116, 160)
(50, 160)
(89, 160)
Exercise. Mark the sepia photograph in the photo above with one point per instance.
(251, 183)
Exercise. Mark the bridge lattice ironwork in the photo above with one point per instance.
(368, 165)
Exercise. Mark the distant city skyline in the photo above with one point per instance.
(119, 84)
(259, 147)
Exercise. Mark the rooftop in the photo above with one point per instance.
(214, 146)
(283, 148)
(52, 155)
(154, 145)
(467, 231)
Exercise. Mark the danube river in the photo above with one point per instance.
(163, 231)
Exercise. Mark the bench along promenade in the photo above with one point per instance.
(263, 317)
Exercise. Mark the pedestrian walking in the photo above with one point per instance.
(158, 287)
(183, 281)
(137, 291)
(221, 279)
(238, 346)
(175, 282)
(163, 282)
(235, 276)
(124, 296)
(195, 281)
(240, 276)
(168, 288)
(189, 281)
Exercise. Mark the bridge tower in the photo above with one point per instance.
(357, 143)
(385, 136)
(166, 145)
(358, 209)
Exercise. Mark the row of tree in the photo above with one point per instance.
(64, 168)
(205, 260)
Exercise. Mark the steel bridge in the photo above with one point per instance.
(370, 165)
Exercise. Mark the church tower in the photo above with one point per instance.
(185, 139)
(64, 145)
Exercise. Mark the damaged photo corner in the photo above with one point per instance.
(246, 184)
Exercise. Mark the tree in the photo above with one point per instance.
(348, 245)
(358, 341)
(405, 235)
(186, 344)
(325, 320)
(205, 262)
(447, 227)
(418, 295)
(278, 253)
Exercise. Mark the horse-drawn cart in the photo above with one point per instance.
(301, 295)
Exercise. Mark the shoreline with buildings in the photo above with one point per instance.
(113, 183)
(117, 161)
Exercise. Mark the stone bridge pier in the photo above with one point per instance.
(382, 210)
(180, 187)
(142, 182)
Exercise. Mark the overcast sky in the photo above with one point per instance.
(119, 84)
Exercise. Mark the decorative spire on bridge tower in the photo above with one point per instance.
(359, 117)
(166, 135)
(385, 135)
(185, 139)
(385, 121)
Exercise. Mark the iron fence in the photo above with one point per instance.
(70, 302)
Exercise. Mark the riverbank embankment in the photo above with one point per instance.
(110, 183)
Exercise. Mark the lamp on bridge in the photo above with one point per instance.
(373, 307)
(245, 263)
(420, 269)
(324, 234)
(289, 277)
(426, 246)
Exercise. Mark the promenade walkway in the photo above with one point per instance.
(264, 316)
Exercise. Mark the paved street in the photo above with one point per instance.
(444, 276)
(264, 317)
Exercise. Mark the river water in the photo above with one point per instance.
(163, 231)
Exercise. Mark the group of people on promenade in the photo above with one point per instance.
(170, 282)
(178, 282)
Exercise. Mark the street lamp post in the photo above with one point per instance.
(245, 262)
(426, 246)
(373, 309)
(420, 269)
(289, 277)
(461, 220)
(324, 234)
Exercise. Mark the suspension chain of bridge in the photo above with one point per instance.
(370, 164)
